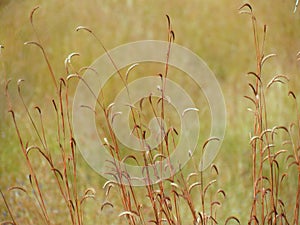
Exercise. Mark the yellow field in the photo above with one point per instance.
(214, 30)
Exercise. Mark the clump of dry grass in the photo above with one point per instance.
(193, 198)
(169, 199)
(64, 171)
(267, 172)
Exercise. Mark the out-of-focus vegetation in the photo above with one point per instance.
(212, 29)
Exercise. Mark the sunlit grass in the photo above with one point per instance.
(214, 30)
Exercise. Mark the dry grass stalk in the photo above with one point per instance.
(267, 206)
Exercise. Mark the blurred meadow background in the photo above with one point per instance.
(213, 29)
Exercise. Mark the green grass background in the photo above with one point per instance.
(213, 29)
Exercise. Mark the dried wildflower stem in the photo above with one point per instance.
(111, 132)
(40, 198)
(39, 44)
(8, 208)
(267, 207)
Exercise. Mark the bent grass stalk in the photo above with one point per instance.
(166, 202)
(66, 179)
(169, 198)
(267, 206)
